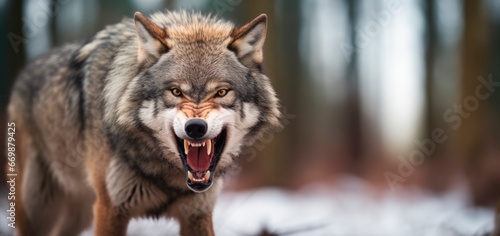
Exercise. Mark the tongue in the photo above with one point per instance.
(198, 159)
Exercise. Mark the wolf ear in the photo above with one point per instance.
(248, 41)
(151, 37)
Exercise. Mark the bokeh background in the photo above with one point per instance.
(365, 85)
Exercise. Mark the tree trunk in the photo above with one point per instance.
(355, 141)
(54, 39)
(16, 54)
(474, 64)
(270, 157)
(16, 58)
(430, 58)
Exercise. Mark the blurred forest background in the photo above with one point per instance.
(364, 84)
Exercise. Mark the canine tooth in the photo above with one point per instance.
(190, 175)
(186, 147)
(209, 146)
(206, 176)
(203, 144)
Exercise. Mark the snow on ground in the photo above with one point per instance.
(348, 208)
(351, 209)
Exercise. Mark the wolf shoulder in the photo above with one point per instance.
(63, 70)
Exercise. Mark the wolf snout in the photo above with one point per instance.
(196, 128)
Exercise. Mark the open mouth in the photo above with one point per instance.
(200, 159)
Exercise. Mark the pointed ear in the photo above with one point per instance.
(248, 42)
(152, 39)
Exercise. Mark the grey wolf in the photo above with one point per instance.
(140, 120)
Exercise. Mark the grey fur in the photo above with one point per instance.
(101, 106)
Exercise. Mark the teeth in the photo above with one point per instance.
(186, 147)
(195, 144)
(190, 175)
(207, 143)
(206, 177)
(209, 146)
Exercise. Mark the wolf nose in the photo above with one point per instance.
(196, 128)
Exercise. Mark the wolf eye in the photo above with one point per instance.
(176, 92)
(221, 93)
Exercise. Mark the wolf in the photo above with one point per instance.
(143, 119)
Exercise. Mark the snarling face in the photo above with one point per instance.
(203, 97)
(209, 130)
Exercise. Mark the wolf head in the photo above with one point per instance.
(200, 89)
